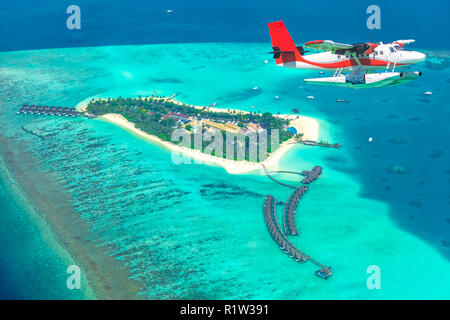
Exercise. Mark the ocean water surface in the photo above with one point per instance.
(38, 24)
(194, 231)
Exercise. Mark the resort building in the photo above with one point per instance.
(184, 118)
(254, 127)
(221, 126)
(232, 126)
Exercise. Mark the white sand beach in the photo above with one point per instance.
(306, 125)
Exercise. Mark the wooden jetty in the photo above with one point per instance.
(289, 210)
(289, 226)
(318, 144)
(275, 180)
(310, 175)
(275, 231)
(270, 217)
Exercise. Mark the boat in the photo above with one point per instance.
(340, 100)
(310, 97)
(428, 93)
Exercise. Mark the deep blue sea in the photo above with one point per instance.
(403, 177)
(42, 23)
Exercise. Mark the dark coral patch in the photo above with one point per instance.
(415, 203)
(398, 169)
(436, 154)
(445, 243)
(397, 141)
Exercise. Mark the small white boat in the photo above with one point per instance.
(370, 140)
(428, 93)
(255, 88)
(266, 61)
(340, 100)
(310, 97)
(277, 97)
(169, 11)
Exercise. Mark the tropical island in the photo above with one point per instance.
(156, 118)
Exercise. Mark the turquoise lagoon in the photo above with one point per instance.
(197, 232)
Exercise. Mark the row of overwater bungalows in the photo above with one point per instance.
(49, 111)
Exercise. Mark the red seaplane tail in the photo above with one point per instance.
(284, 49)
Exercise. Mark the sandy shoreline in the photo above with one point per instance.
(307, 125)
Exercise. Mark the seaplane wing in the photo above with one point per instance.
(342, 48)
(327, 45)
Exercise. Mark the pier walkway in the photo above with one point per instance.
(275, 180)
(318, 144)
(289, 210)
(289, 227)
(312, 175)
(275, 231)
(49, 111)
(270, 216)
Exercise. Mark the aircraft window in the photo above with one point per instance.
(339, 56)
(381, 53)
(392, 49)
(398, 48)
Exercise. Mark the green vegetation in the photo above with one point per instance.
(151, 115)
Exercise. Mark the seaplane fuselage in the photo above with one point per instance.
(383, 56)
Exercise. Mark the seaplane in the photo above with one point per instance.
(361, 61)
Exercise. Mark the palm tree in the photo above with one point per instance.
(295, 110)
